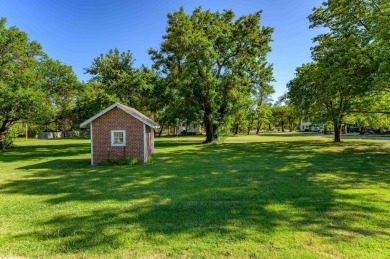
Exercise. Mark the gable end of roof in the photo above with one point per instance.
(131, 111)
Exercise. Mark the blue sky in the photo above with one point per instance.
(75, 32)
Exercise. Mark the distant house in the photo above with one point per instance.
(120, 132)
(305, 126)
(309, 126)
(194, 129)
(190, 129)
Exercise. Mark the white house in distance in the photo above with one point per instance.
(305, 126)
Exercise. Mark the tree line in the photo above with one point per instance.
(210, 68)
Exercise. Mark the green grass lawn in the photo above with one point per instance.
(256, 196)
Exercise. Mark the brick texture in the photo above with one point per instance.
(116, 119)
(149, 133)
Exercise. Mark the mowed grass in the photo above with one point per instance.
(251, 196)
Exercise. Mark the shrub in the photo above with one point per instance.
(8, 140)
(7, 143)
(121, 161)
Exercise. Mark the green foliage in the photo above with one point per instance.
(166, 105)
(8, 142)
(242, 115)
(347, 67)
(213, 62)
(91, 100)
(61, 87)
(33, 87)
(114, 79)
(20, 96)
(284, 115)
(114, 74)
(264, 115)
(120, 161)
(369, 22)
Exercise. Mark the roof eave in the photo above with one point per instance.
(118, 105)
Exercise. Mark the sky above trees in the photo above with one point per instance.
(75, 32)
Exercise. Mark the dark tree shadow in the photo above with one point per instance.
(60, 164)
(44, 151)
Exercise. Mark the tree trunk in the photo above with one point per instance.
(282, 126)
(258, 127)
(250, 126)
(236, 129)
(211, 130)
(291, 125)
(161, 129)
(337, 131)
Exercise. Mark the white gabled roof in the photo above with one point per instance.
(131, 111)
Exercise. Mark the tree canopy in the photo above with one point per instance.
(32, 86)
(114, 78)
(19, 98)
(350, 61)
(212, 59)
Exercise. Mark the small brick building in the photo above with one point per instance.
(120, 132)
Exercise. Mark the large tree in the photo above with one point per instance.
(90, 100)
(366, 20)
(350, 61)
(329, 88)
(61, 87)
(20, 98)
(212, 59)
(115, 79)
(33, 88)
(115, 74)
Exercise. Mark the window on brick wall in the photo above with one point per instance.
(118, 138)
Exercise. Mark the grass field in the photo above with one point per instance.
(257, 196)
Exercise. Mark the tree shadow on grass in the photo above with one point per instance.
(43, 151)
(227, 191)
(68, 164)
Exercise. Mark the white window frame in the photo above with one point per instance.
(118, 144)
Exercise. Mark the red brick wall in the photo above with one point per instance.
(149, 133)
(116, 119)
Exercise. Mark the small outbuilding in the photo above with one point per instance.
(120, 132)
